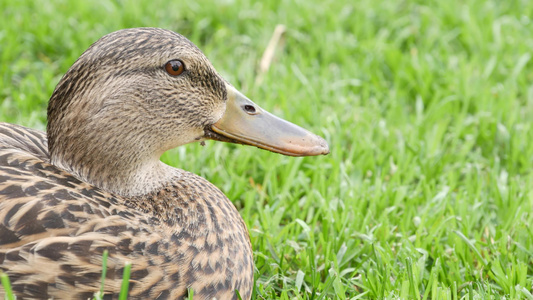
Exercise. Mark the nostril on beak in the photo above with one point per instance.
(249, 109)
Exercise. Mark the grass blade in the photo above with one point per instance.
(125, 282)
(7, 286)
(104, 273)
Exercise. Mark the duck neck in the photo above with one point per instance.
(124, 166)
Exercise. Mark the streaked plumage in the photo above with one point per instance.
(96, 181)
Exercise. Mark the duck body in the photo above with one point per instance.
(55, 228)
(94, 181)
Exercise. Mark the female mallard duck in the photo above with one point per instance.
(95, 181)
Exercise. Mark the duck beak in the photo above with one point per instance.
(244, 122)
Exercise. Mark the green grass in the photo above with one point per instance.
(6, 284)
(123, 295)
(426, 105)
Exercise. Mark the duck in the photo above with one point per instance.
(94, 181)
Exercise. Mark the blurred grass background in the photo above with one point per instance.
(427, 106)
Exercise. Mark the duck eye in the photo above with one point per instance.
(175, 67)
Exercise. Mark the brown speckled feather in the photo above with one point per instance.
(102, 186)
(54, 229)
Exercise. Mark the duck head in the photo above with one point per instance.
(137, 93)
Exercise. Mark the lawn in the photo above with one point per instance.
(427, 107)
